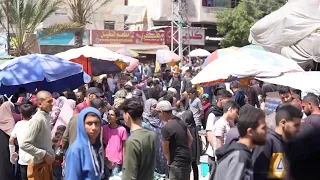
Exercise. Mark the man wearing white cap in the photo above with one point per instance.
(176, 142)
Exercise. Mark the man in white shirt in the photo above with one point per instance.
(19, 132)
(215, 112)
(222, 126)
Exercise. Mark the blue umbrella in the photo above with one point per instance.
(42, 72)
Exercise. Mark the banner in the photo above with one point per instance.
(126, 37)
(197, 36)
(3, 45)
(272, 102)
(66, 38)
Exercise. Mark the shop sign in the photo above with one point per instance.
(126, 37)
(197, 36)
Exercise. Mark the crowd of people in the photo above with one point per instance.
(149, 128)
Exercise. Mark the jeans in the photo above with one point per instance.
(57, 172)
(116, 170)
(24, 172)
(179, 173)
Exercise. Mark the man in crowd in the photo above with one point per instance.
(196, 107)
(37, 141)
(268, 160)
(311, 109)
(239, 95)
(176, 142)
(80, 96)
(70, 133)
(234, 159)
(205, 100)
(140, 148)
(92, 93)
(213, 114)
(222, 126)
(287, 96)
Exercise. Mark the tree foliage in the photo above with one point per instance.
(234, 24)
(81, 11)
(25, 16)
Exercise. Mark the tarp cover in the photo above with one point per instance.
(291, 31)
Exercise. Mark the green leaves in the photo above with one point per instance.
(234, 24)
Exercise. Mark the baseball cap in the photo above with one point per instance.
(22, 100)
(205, 96)
(164, 106)
(94, 90)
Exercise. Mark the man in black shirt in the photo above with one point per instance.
(176, 143)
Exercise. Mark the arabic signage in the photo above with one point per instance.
(126, 37)
(3, 44)
(66, 38)
(272, 102)
(197, 36)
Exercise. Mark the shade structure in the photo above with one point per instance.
(127, 52)
(96, 60)
(199, 53)
(167, 56)
(133, 64)
(42, 72)
(218, 53)
(246, 62)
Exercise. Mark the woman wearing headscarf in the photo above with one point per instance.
(57, 109)
(66, 112)
(187, 117)
(155, 124)
(6, 126)
(84, 158)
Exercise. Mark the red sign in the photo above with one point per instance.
(197, 36)
(126, 37)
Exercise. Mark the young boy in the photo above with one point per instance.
(18, 132)
(114, 137)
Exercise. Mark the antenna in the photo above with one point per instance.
(180, 26)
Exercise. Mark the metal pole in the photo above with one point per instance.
(8, 26)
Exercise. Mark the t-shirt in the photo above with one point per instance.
(220, 128)
(18, 132)
(79, 107)
(196, 108)
(313, 120)
(113, 137)
(140, 155)
(175, 131)
(210, 123)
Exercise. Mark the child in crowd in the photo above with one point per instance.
(18, 132)
(57, 146)
(114, 137)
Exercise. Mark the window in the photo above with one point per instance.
(109, 25)
(216, 3)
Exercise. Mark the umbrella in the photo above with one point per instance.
(199, 53)
(96, 60)
(127, 52)
(218, 53)
(167, 56)
(133, 64)
(246, 62)
(42, 72)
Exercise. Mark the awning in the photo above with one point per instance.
(139, 48)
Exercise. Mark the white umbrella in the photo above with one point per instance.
(92, 52)
(304, 81)
(245, 63)
(199, 53)
(166, 56)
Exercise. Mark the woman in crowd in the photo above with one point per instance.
(150, 115)
(6, 126)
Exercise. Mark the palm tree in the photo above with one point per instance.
(26, 15)
(81, 11)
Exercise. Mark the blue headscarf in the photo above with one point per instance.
(85, 160)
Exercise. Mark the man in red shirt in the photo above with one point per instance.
(92, 93)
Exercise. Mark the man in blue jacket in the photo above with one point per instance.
(84, 158)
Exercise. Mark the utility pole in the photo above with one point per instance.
(8, 27)
(180, 26)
